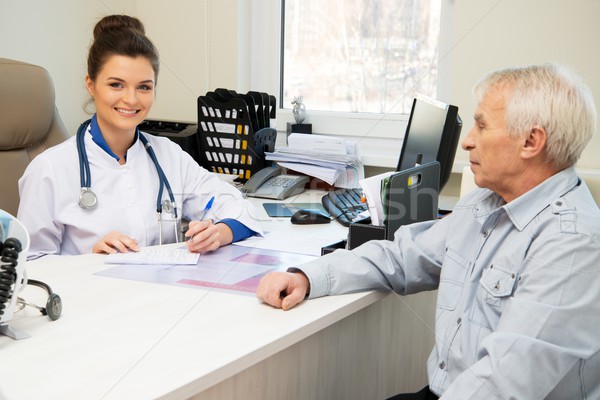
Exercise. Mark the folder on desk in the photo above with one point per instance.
(407, 196)
(411, 196)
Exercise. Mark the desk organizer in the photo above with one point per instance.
(234, 133)
(358, 234)
(410, 196)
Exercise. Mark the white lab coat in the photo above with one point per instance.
(50, 187)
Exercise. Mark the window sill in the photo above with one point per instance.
(378, 137)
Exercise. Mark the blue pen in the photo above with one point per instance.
(207, 208)
(204, 212)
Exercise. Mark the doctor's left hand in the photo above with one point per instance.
(115, 241)
(206, 236)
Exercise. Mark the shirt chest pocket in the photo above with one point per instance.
(496, 286)
(452, 280)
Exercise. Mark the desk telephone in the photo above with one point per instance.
(272, 183)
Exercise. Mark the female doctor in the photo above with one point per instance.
(112, 188)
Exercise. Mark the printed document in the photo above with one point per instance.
(155, 255)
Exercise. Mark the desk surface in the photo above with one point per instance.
(122, 339)
(330, 233)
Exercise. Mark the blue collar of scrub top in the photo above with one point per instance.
(98, 138)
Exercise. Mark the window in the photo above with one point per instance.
(375, 118)
(359, 56)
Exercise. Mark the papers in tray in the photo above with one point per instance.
(318, 143)
(341, 170)
(372, 188)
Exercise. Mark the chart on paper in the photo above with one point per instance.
(230, 268)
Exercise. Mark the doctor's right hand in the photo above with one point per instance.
(283, 289)
(114, 242)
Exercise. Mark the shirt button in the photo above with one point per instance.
(485, 233)
(442, 365)
(459, 320)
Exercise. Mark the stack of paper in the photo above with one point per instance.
(326, 159)
(155, 255)
(372, 189)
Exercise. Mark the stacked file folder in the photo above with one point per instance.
(323, 157)
(235, 131)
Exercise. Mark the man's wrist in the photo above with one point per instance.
(304, 281)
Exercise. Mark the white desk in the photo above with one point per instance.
(122, 339)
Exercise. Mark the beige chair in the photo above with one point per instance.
(29, 124)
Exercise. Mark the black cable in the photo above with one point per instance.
(9, 256)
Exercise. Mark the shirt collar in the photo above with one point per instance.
(98, 138)
(524, 208)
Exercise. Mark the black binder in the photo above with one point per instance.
(411, 196)
(407, 196)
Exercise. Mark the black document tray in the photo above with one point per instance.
(411, 196)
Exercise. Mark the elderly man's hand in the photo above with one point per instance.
(283, 289)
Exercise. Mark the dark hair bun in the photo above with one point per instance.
(117, 22)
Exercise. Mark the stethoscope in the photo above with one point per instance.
(88, 199)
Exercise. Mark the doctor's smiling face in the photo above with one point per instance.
(123, 94)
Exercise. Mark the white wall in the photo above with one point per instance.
(197, 42)
(492, 34)
(56, 34)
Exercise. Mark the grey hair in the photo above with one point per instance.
(550, 96)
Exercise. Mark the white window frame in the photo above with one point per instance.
(378, 136)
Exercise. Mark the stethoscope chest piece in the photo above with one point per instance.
(53, 307)
(87, 198)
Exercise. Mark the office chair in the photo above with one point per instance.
(29, 124)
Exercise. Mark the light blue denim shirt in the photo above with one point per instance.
(518, 308)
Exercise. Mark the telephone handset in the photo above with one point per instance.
(272, 183)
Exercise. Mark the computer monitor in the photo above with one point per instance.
(432, 134)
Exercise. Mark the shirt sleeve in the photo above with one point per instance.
(240, 231)
(409, 264)
(199, 185)
(36, 208)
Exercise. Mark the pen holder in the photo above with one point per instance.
(357, 235)
(333, 247)
(362, 233)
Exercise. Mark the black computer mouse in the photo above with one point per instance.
(304, 217)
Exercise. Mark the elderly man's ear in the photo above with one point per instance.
(534, 143)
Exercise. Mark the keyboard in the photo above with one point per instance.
(344, 205)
